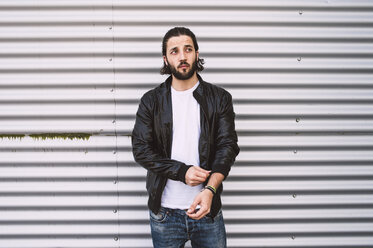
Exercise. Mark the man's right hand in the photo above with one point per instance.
(196, 175)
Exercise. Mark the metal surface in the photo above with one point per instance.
(301, 76)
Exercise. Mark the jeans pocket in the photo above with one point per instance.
(218, 215)
(160, 217)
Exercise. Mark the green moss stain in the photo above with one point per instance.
(12, 136)
(44, 136)
(71, 136)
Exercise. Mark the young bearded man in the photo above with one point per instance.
(185, 137)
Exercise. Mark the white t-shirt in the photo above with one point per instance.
(185, 140)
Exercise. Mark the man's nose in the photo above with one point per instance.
(182, 56)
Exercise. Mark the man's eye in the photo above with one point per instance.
(173, 52)
(189, 49)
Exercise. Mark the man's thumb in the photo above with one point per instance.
(192, 208)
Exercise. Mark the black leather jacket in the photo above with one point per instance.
(152, 138)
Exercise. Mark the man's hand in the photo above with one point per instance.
(204, 199)
(196, 175)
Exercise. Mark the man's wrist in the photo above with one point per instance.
(182, 172)
(210, 188)
(208, 192)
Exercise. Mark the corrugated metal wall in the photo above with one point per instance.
(300, 72)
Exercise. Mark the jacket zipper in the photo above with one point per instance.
(208, 136)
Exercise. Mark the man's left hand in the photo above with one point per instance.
(203, 199)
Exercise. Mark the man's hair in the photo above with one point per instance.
(178, 31)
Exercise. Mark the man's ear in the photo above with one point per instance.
(197, 55)
(165, 60)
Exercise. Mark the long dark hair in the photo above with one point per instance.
(177, 31)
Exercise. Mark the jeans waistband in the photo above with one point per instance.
(178, 211)
(174, 210)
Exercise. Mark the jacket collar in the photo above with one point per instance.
(198, 90)
(198, 93)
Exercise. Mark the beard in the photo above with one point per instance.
(184, 75)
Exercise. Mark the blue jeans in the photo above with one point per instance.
(172, 228)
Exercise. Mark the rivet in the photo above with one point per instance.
(293, 237)
(114, 211)
(297, 119)
(300, 12)
(116, 238)
(113, 121)
(294, 195)
(299, 59)
(114, 152)
(112, 90)
(295, 151)
(115, 181)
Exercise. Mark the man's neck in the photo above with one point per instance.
(181, 85)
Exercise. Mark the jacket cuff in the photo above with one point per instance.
(222, 170)
(182, 171)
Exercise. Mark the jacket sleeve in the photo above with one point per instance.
(144, 147)
(226, 148)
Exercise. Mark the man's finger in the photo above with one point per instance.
(194, 183)
(192, 207)
(205, 173)
(199, 214)
(202, 170)
(199, 178)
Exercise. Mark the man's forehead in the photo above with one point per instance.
(177, 41)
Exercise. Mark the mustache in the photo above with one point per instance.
(182, 63)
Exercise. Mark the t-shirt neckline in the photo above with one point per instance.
(183, 92)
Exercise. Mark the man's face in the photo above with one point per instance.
(181, 57)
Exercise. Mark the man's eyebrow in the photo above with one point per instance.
(175, 48)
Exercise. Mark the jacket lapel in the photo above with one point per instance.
(167, 124)
(166, 116)
(204, 136)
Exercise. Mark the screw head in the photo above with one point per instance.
(115, 210)
(116, 238)
(299, 58)
(294, 195)
(297, 119)
(293, 237)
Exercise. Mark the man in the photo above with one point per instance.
(185, 137)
